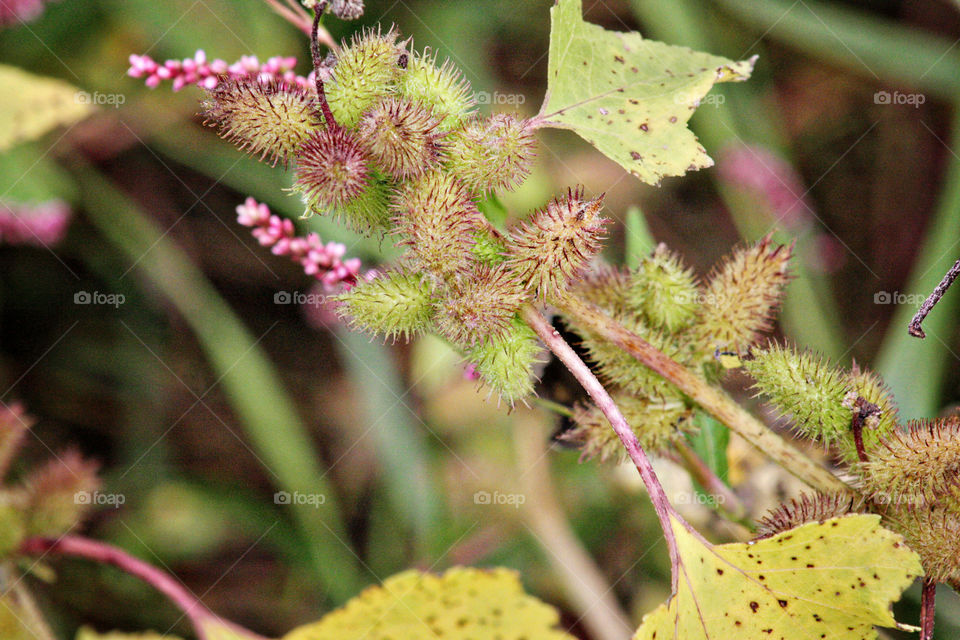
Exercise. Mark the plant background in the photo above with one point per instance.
(185, 409)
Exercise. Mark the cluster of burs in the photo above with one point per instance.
(407, 155)
(908, 473)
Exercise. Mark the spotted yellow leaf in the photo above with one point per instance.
(833, 580)
(629, 97)
(461, 604)
(30, 106)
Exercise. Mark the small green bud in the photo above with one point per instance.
(656, 423)
(482, 306)
(741, 296)
(815, 508)
(557, 243)
(394, 304)
(916, 464)
(808, 389)
(665, 290)
(59, 493)
(505, 363)
(439, 221)
(442, 89)
(401, 137)
(366, 72)
(492, 154)
(487, 249)
(266, 118)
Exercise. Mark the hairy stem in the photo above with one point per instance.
(202, 619)
(586, 587)
(714, 401)
(915, 329)
(317, 60)
(565, 353)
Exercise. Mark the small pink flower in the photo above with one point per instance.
(13, 12)
(42, 224)
(322, 261)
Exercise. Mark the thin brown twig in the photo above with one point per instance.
(915, 329)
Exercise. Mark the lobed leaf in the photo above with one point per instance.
(629, 97)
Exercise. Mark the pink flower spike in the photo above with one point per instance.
(201, 71)
(322, 261)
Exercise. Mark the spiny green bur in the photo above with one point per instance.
(393, 305)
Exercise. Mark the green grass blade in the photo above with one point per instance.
(252, 386)
(857, 41)
(915, 368)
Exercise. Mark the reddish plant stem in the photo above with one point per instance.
(299, 19)
(200, 617)
(928, 608)
(317, 60)
(565, 353)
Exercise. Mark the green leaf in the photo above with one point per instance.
(629, 97)
(639, 241)
(461, 604)
(32, 105)
(833, 579)
(710, 442)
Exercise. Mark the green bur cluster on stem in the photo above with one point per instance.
(662, 302)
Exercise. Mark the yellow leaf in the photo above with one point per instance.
(461, 604)
(833, 579)
(32, 105)
(630, 97)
